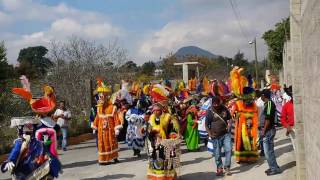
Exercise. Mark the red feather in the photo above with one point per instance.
(23, 93)
(43, 105)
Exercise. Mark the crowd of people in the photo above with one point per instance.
(228, 117)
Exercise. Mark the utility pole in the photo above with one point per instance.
(256, 57)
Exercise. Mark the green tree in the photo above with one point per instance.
(275, 39)
(239, 60)
(6, 70)
(148, 68)
(129, 65)
(33, 62)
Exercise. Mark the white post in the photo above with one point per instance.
(185, 73)
(185, 70)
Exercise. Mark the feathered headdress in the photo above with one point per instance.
(101, 86)
(159, 93)
(136, 90)
(146, 89)
(181, 86)
(42, 105)
(238, 82)
(192, 83)
(206, 88)
(216, 88)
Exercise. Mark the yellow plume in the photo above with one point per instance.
(206, 85)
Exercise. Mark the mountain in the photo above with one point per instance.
(194, 50)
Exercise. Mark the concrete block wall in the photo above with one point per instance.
(287, 64)
(297, 82)
(310, 45)
(301, 60)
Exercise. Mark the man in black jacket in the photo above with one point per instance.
(217, 121)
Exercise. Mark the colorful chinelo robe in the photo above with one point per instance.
(202, 119)
(163, 148)
(135, 131)
(106, 122)
(26, 158)
(246, 132)
(191, 135)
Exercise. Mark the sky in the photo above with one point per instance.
(147, 29)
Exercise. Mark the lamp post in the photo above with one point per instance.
(256, 57)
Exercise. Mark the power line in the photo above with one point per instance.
(238, 18)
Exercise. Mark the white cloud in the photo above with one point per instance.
(12, 5)
(209, 24)
(101, 30)
(18, 42)
(64, 21)
(65, 25)
(4, 19)
(216, 30)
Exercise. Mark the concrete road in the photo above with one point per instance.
(80, 162)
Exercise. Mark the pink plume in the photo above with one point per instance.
(25, 82)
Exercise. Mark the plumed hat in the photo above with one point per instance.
(41, 105)
(159, 93)
(101, 87)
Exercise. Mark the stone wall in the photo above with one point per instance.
(286, 73)
(297, 83)
(301, 60)
(310, 43)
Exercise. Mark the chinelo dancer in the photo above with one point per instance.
(136, 128)
(205, 105)
(34, 154)
(107, 124)
(163, 139)
(191, 134)
(245, 112)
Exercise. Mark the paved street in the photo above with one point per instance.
(80, 162)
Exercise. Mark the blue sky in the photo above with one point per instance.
(148, 29)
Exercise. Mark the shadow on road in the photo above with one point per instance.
(247, 166)
(288, 166)
(283, 150)
(79, 164)
(88, 142)
(194, 161)
(201, 149)
(83, 147)
(115, 176)
(143, 157)
(198, 175)
(281, 142)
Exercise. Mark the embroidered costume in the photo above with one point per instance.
(136, 130)
(163, 144)
(30, 152)
(246, 119)
(107, 123)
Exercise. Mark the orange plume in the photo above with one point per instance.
(25, 94)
